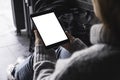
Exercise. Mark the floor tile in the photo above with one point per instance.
(11, 45)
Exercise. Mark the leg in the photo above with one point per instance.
(62, 53)
(24, 71)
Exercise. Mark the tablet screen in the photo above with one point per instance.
(49, 28)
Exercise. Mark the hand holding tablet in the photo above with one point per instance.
(50, 30)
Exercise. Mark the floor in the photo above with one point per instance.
(11, 45)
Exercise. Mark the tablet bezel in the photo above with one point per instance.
(54, 44)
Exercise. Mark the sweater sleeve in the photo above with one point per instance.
(44, 62)
(45, 66)
(43, 70)
(77, 45)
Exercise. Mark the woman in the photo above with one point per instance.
(98, 62)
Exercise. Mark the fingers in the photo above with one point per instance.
(71, 38)
(37, 38)
(36, 34)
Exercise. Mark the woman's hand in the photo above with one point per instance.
(71, 38)
(38, 41)
(68, 44)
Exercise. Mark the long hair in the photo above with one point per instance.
(110, 14)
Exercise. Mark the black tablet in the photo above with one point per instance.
(50, 29)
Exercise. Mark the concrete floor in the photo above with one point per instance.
(11, 45)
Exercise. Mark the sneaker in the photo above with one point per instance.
(11, 68)
(9, 72)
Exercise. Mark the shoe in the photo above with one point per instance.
(9, 72)
(11, 68)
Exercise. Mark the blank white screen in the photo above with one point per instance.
(49, 28)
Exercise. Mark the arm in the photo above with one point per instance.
(44, 60)
(65, 69)
(44, 67)
(75, 44)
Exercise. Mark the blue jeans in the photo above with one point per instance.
(24, 71)
(62, 53)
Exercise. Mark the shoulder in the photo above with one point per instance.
(88, 62)
(95, 58)
(81, 61)
(93, 50)
(89, 57)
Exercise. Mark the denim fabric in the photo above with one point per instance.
(24, 71)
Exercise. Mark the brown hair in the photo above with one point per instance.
(110, 14)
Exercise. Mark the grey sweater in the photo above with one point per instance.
(98, 62)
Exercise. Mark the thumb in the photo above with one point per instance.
(71, 38)
(36, 34)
